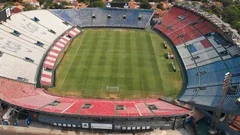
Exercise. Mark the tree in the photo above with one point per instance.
(3, 1)
(205, 1)
(160, 6)
(157, 1)
(64, 3)
(56, 6)
(231, 15)
(227, 2)
(28, 7)
(237, 2)
(8, 4)
(47, 4)
(97, 3)
(83, 1)
(41, 2)
(49, 1)
(217, 10)
(121, 1)
(145, 4)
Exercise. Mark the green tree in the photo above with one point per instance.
(144, 4)
(47, 4)
(8, 4)
(227, 2)
(160, 6)
(41, 2)
(56, 6)
(97, 3)
(157, 1)
(231, 15)
(28, 7)
(237, 2)
(3, 1)
(205, 1)
(215, 10)
(121, 0)
(84, 1)
(49, 1)
(229, 12)
(64, 3)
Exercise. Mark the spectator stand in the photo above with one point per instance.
(51, 59)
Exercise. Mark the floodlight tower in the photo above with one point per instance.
(217, 114)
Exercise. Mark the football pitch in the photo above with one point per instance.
(117, 64)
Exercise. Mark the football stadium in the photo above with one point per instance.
(119, 70)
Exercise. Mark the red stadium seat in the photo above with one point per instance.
(23, 94)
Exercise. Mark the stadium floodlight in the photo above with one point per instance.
(226, 79)
(228, 73)
(238, 101)
(226, 83)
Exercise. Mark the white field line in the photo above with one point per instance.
(83, 82)
(71, 63)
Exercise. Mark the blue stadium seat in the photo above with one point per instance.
(118, 17)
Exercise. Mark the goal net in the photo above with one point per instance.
(112, 89)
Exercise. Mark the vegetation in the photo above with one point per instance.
(8, 4)
(231, 15)
(28, 7)
(60, 5)
(3, 1)
(160, 6)
(97, 3)
(229, 12)
(41, 2)
(132, 60)
(157, 1)
(83, 1)
(144, 4)
(47, 4)
(121, 0)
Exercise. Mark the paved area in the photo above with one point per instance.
(10, 130)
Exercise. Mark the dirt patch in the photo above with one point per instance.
(113, 96)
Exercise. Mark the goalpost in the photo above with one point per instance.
(112, 89)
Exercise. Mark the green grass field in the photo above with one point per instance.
(131, 62)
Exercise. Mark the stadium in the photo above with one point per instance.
(114, 69)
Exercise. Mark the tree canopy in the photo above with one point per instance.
(28, 7)
(231, 15)
(84, 1)
(120, 0)
(97, 3)
(229, 12)
(144, 4)
(160, 6)
(8, 4)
